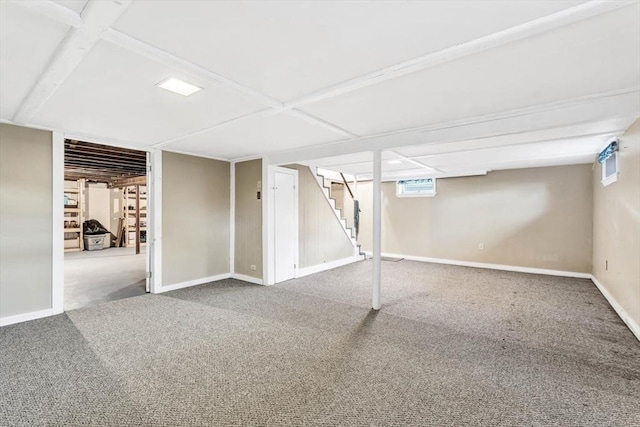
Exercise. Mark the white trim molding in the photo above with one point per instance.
(19, 318)
(194, 282)
(626, 318)
(301, 272)
(246, 278)
(501, 267)
(57, 239)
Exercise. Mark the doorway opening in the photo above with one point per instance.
(106, 218)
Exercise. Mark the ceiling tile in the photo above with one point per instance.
(113, 94)
(255, 136)
(287, 49)
(593, 56)
(27, 41)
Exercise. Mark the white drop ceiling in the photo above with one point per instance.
(447, 87)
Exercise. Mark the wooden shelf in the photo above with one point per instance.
(132, 196)
(74, 213)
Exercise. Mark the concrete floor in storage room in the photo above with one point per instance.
(95, 277)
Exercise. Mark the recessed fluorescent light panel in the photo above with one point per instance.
(178, 86)
(394, 162)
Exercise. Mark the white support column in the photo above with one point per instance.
(232, 218)
(377, 226)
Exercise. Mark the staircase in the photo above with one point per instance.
(325, 186)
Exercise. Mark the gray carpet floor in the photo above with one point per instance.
(451, 346)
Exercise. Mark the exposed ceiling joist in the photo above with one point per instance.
(97, 17)
(102, 163)
(53, 10)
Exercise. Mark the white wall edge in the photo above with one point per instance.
(502, 267)
(328, 265)
(156, 221)
(268, 232)
(57, 248)
(194, 282)
(631, 324)
(18, 318)
(246, 278)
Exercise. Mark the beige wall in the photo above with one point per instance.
(248, 219)
(25, 220)
(616, 227)
(195, 218)
(320, 237)
(539, 217)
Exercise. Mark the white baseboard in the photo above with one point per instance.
(194, 282)
(631, 324)
(491, 266)
(328, 265)
(10, 320)
(246, 278)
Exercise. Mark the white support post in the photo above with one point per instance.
(377, 226)
(232, 217)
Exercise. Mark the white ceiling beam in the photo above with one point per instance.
(414, 162)
(97, 16)
(52, 10)
(519, 32)
(593, 108)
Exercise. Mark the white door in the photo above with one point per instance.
(286, 224)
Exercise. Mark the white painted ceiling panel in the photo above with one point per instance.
(549, 147)
(112, 93)
(27, 41)
(287, 49)
(75, 5)
(259, 134)
(592, 56)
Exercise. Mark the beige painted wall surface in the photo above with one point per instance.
(248, 219)
(321, 237)
(195, 218)
(616, 226)
(25, 220)
(539, 217)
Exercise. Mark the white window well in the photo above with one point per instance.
(425, 187)
(608, 158)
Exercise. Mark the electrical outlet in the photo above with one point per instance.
(481, 246)
(253, 267)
